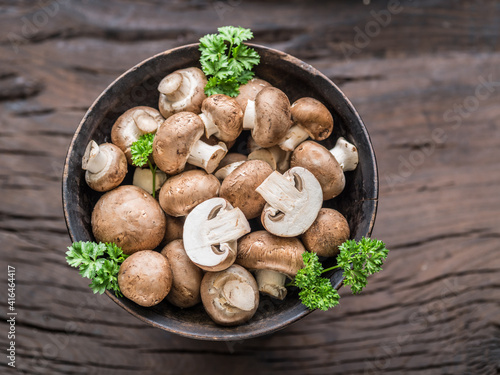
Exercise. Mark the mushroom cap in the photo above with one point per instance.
(327, 233)
(227, 115)
(183, 192)
(129, 217)
(239, 187)
(126, 131)
(173, 229)
(196, 80)
(231, 157)
(321, 163)
(175, 139)
(113, 172)
(143, 178)
(187, 277)
(262, 250)
(272, 117)
(221, 291)
(249, 91)
(145, 278)
(313, 117)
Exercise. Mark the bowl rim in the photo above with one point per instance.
(299, 311)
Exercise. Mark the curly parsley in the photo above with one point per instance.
(141, 151)
(226, 61)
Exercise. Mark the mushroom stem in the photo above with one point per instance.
(279, 192)
(175, 87)
(346, 154)
(143, 178)
(277, 158)
(226, 227)
(222, 173)
(249, 118)
(205, 156)
(239, 294)
(295, 136)
(271, 283)
(210, 127)
(145, 122)
(93, 159)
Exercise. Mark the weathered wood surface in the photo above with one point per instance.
(418, 82)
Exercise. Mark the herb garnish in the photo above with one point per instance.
(226, 61)
(99, 262)
(358, 261)
(141, 150)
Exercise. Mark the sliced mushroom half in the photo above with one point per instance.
(211, 231)
(293, 201)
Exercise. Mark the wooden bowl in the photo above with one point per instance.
(138, 86)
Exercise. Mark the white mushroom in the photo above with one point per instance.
(211, 231)
(346, 154)
(144, 179)
(293, 201)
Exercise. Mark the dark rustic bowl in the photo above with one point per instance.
(138, 86)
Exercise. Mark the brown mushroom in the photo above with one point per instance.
(230, 297)
(322, 164)
(277, 158)
(129, 217)
(239, 187)
(182, 90)
(272, 258)
(187, 277)
(177, 142)
(249, 91)
(310, 119)
(181, 193)
(268, 117)
(173, 229)
(132, 124)
(327, 233)
(230, 162)
(145, 278)
(222, 117)
(105, 166)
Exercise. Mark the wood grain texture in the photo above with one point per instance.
(418, 84)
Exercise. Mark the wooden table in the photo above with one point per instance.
(425, 76)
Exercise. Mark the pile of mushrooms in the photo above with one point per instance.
(226, 226)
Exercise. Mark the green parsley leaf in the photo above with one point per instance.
(141, 149)
(99, 262)
(226, 62)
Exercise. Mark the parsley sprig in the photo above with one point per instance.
(99, 262)
(358, 260)
(141, 151)
(226, 61)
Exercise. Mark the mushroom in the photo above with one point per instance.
(293, 201)
(210, 233)
(277, 158)
(105, 166)
(322, 164)
(177, 142)
(230, 297)
(222, 117)
(187, 277)
(173, 229)
(143, 178)
(268, 116)
(129, 217)
(239, 187)
(182, 90)
(145, 278)
(272, 258)
(230, 162)
(346, 154)
(132, 124)
(310, 119)
(249, 91)
(327, 233)
(181, 193)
